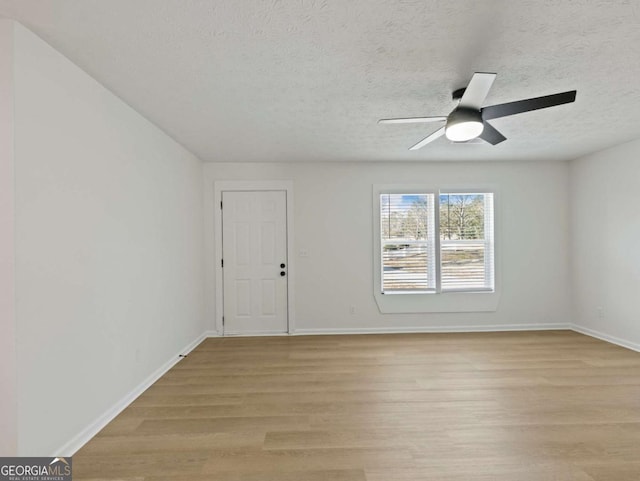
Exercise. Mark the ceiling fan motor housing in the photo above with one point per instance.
(464, 124)
(457, 94)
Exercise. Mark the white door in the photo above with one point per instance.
(254, 262)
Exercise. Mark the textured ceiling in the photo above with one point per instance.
(304, 80)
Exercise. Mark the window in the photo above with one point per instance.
(408, 242)
(466, 241)
(431, 247)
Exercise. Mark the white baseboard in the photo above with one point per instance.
(434, 329)
(79, 440)
(606, 337)
(255, 334)
(211, 334)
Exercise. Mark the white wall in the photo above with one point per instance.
(333, 221)
(605, 227)
(8, 404)
(109, 253)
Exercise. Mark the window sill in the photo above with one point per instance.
(425, 302)
(448, 291)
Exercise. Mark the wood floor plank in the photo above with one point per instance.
(168, 443)
(485, 472)
(312, 459)
(522, 406)
(138, 465)
(221, 424)
(272, 475)
(404, 438)
(613, 470)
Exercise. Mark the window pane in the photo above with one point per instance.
(463, 265)
(466, 241)
(408, 242)
(461, 216)
(405, 267)
(405, 216)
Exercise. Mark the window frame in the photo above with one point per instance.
(448, 300)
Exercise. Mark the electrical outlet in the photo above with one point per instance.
(352, 309)
(600, 311)
(303, 253)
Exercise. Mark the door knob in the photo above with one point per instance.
(282, 266)
(282, 274)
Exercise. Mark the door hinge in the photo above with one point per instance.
(221, 262)
(222, 321)
(220, 204)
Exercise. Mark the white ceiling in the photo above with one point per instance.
(306, 80)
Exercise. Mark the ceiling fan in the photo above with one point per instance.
(468, 120)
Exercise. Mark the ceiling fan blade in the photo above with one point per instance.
(519, 106)
(412, 120)
(430, 138)
(477, 90)
(491, 135)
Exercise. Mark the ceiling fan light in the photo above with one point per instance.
(464, 124)
(463, 131)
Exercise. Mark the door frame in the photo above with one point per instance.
(252, 185)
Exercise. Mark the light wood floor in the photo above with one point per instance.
(486, 406)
